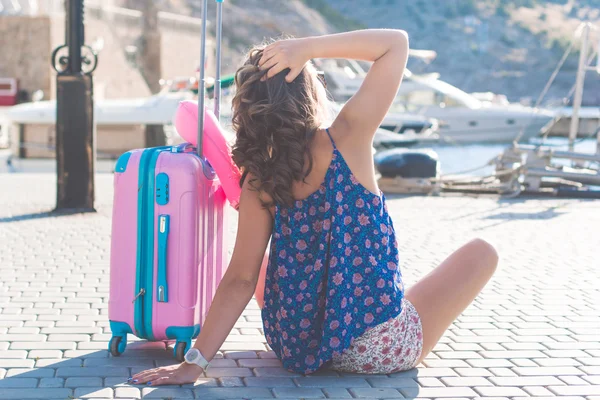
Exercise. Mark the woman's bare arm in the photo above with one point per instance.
(387, 49)
(233, 294)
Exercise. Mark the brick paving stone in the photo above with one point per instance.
(458, 355)
(556, 362)
(525, 381)
(18, 383)
(438, 392)
(298, 393)
(381, 382)
(25, 394)
(491, 363)
(94, 393)
(236, 372)
(122, 362)
(269, 382)
(30, 373)
(447, 363)
(237, 355)
(589, 390)
(16, 363)
(473, 372)
(469, 381)
(230, 382)
(87, 381)
(523, 362)
(43, 345)
(92, 372)
(550, 398)
(15, 354)
(539, 371)
(491, 346)
(423, 371)
(591, 370)
(512, 354)
(574, 380)
(565, 353)
(330, 372)
(594, 379)
(267, 354)
(274, 372)
(259, 362)
(337, 393)
(127, 392)
(58, 362)
(51, 383)
(429, 382)
(166, 392)
(52, 354)
(231, 393)
(537, 391)
(322, 382)
(371, 393)
(505, 391)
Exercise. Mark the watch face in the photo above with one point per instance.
(192, 355)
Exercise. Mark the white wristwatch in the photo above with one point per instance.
(193, 356)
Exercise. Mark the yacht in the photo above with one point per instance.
(462, 118)
(153, 110)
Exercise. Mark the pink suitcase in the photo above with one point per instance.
(168, 250)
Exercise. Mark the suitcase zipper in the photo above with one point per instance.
(141, 293)
(140, 267)
(145, 243)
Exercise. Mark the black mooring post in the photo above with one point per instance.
(75, 131)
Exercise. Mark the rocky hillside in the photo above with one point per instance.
(248, 22)
(503, 46)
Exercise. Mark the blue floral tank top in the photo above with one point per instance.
(333, 271)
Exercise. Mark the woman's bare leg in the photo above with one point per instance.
(443, 295)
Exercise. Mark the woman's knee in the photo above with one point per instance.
(486, 254)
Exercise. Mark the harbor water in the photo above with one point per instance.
(453, 158)
(460, 158)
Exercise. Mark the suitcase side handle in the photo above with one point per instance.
(162, 289)
(183, 148)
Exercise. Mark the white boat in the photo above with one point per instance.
(462, 117)
(154, 110)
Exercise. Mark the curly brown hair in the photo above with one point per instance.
(275, 122)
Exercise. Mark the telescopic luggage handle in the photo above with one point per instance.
(201, 83)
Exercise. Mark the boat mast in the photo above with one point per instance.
(583, 67)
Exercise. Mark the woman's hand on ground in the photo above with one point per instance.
(179, 374)
(290, 53)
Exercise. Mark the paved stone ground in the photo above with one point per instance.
(533, 332)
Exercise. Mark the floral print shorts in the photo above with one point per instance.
(393, 346)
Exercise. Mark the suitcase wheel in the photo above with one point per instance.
(180, 350)
(117, 346)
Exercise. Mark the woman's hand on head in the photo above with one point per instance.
(179, 374)
(290, 53)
